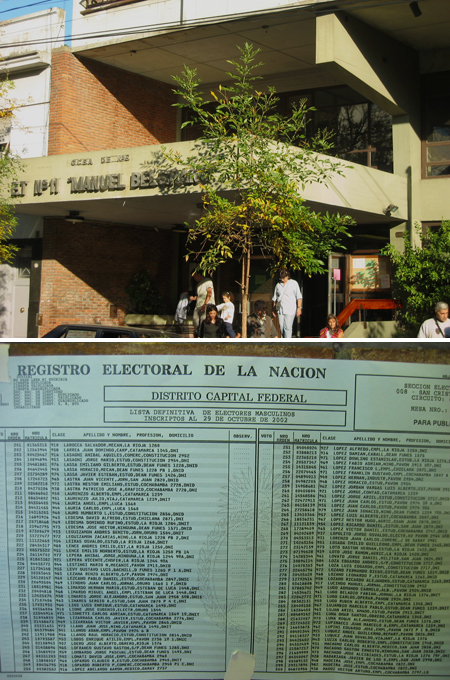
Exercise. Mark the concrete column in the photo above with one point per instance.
(387, 73)
(407, 163)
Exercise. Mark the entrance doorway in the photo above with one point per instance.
(315, 304)
(21, 292)
(15, 295)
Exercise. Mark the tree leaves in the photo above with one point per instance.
(421, 274)
(253, 161)
(9, 167)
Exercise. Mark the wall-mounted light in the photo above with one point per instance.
(74, 216)
(390, 209)
(415, 9)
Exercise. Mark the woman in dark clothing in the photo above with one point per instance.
(213, 326)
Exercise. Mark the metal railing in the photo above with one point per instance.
(359, 305)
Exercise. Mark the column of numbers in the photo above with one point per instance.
(284, 552)
(18, 556)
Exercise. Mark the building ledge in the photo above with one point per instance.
(98, 5)
(131, 186)
(27, 61)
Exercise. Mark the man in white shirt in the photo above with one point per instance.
(287, 302)
(438, 327)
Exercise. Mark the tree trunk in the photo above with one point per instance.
(245, 285)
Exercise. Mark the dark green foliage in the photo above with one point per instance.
(144, 296)
(422, 275)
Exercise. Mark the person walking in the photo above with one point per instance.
(204, 296)
(226, 309)
(212, 326)
(287, 302)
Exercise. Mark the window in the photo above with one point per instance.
(436, 146)
(115, 334)
(76, 333)
(428, 227)
(362, 132)
(23, 260)
(5, 130)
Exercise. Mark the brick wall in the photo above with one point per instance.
(95, 106)
(86, 268)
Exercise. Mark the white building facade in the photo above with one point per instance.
(26, 55)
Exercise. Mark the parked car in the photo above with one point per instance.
(120, 332)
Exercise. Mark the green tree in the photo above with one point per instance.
(252, 163)
(9, 167)
(421, 275)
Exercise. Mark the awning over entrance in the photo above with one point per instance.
(139, 186)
